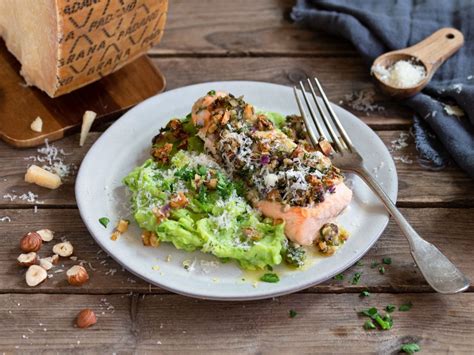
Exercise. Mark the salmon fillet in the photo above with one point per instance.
(302, 224)
(288, 180)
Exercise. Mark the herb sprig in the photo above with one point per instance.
(104, 221)
(270, 277)
(410, 348)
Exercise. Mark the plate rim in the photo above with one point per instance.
(206, 296)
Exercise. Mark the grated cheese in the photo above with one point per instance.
(270, 180)
(404, 159)
(202, 159)
(208, 266)
(111, 272)
(432, 114)
(28, 197)
(189, 265)
(402, 74)
(454, 110)
(457, 88)
(52, 160)
(376, 169)
(363, 101)
(244, 152)
(399, 144)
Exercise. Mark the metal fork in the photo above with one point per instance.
(438, 271)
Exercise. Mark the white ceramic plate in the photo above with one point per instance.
(126, 144)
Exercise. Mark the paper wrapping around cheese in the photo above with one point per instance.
(66, 44)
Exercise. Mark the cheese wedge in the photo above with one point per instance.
(37, 125)
(63, 45)
(87, 121)
(42, 177)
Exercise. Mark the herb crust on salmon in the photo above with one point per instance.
(232, 181)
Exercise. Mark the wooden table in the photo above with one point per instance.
(245, 39)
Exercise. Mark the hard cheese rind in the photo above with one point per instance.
(65, 44)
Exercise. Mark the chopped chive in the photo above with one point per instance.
(356, 278)
(410, 348)
(385, 323)
(388, 320)
(359, 263)
(374, 264)
(293, 313)
(339, 277)
(405, 307)
(364, 293)
(202, 194)
(382, 270)
(370, 312)
(202, 170)
(387, 261)
(369, 325)
(212, 93)
(390, 308)
(271, 278)
(104, 221)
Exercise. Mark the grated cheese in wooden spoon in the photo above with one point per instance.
(402, 74)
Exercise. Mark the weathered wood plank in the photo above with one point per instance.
(449, 229)
(339, 76)
(418, 186)
(46, 322)
(449, 186)
(170, 323)
(326, 323)
(16, 161)
(244, 27)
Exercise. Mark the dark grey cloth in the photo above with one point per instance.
(378, 26)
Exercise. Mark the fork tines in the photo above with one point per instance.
(340, 141)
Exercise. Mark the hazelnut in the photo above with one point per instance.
(46, 264)
(46, 235)
(154, 241)
(28, 259)
(35, 275)
(86, 318)
(146, 237)
(31, 242)
(77, 275)
(54, 259)
(325, 147)
(150, 239)
(212, 184)
(179, 201)
(64, 249)
(114, 236)
(122, 225)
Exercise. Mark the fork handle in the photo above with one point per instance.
(437, 269)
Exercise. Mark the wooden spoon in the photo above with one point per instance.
(430, 53)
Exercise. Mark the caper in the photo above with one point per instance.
(329, 232)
